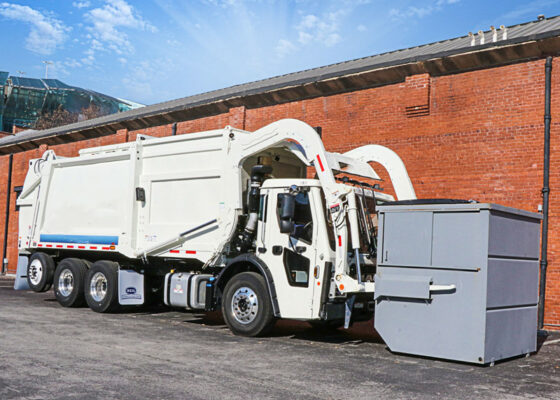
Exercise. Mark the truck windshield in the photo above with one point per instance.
(367, 221)
(328, 221)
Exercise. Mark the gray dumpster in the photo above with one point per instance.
(457, 281)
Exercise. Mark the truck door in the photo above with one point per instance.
(291, 256)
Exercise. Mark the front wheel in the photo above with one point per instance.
(246, 305)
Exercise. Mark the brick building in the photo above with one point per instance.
(465, 115)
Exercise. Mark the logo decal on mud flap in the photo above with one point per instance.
(130, 293)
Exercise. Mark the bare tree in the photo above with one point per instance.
(57, 117)
(90, 112)
(60, 116)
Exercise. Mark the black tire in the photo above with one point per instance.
(242, 318)
(68, 283)
(40, 272)
(103, 298)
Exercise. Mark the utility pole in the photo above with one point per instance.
(47, 63)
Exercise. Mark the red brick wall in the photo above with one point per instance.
(478, 135)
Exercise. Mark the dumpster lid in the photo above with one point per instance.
(446, 206)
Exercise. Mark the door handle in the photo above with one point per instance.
(277, 250)
(300, 249)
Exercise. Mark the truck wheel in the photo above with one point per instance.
(68, 282)
(101, 286)
(40, 271)
(246, 305)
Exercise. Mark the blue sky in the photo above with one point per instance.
(152, 51)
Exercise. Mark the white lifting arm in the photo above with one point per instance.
(392, 163)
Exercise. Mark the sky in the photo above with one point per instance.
(153, 51)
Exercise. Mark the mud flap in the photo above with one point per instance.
(21, 274)
(131, 288)
(348, 311)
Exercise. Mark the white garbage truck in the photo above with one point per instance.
(260, 225)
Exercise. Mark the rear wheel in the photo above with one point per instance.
(246, 305)
(40, 272)
(101, 286)
(69, 279)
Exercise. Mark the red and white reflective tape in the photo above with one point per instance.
(80, 247)
(185, 251)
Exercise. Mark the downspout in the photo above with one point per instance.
(174, 129)
(545, 191)
(7, 217)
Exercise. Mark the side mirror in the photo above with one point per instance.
(285, 209)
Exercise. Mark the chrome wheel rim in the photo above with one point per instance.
(66, 283)
(35, 272)
(98, 287)
(245, 305)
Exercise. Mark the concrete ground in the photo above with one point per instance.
(48, 352)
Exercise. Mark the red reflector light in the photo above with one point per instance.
(190, 251)
(339, 241)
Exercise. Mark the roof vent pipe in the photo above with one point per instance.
(473, 40)
(494, 34)
(481, 37)
(504, 32)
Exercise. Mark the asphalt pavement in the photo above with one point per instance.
(51, 352)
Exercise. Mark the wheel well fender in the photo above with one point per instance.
(245, 263)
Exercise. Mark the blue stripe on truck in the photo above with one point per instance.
(80, 239)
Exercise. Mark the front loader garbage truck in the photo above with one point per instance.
(229, 220)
